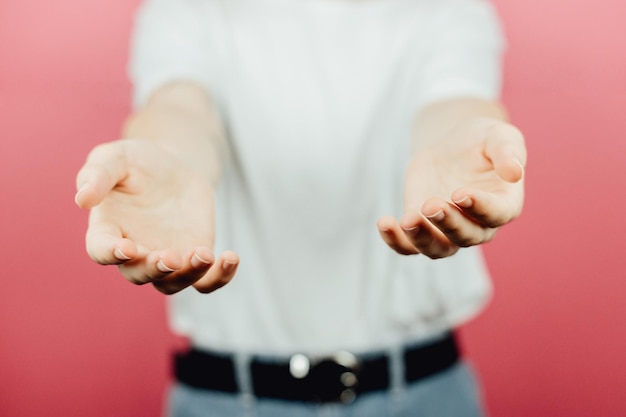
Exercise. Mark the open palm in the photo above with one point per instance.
(152, 216)
(459, 191)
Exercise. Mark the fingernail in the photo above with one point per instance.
(408, 225)
(80, 190)
(228, 266)
(121, 255)
(197, 261)
(164, 268)
(465, 202)
(437, 217)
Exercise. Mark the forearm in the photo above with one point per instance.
(438, 119)
(181, 118)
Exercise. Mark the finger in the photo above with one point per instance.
(490, 209)
(197, 264)
(219, 274)
(394, 237)
(504, 146)
(425, 237)
(152, 266)
(451, 221)
(106, 246)
(105, 167)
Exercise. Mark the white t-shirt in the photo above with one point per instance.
(318, 97)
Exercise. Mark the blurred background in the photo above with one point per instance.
(78, 340)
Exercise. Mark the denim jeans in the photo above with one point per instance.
(451, 393)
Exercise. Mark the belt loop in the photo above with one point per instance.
(244, 379)
(397, 382)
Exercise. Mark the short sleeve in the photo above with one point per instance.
(170, 41)
(464, 53)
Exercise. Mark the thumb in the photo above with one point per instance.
(505, 148)
(106, 166)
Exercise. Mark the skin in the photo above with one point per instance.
(149, 194)
(464, 180)
(149, 197)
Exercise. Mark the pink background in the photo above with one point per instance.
(77, 340)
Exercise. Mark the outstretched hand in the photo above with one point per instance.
(152, 216)
(459, 191)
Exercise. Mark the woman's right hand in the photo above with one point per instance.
(152, 216)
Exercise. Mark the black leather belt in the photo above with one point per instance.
(334, 378)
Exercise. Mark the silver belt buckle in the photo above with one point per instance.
(301, 365)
